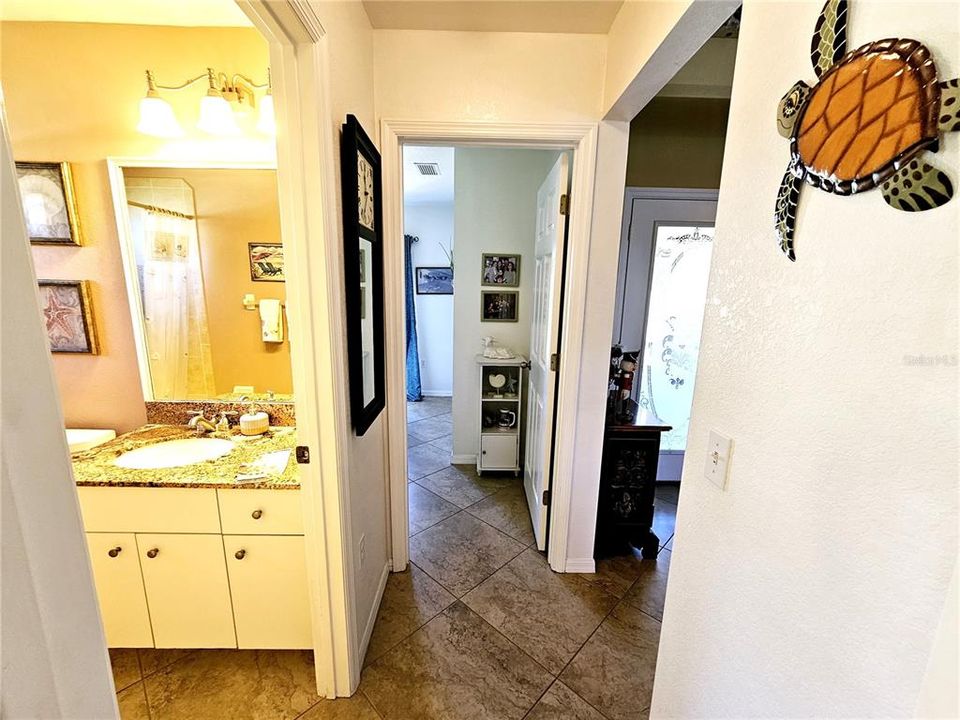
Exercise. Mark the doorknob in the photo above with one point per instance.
(113, 552)
(153, 552)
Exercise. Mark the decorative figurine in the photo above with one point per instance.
(512, 383)
(628, 366)
(865, 123)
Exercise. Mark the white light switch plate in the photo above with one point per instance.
(718, 458)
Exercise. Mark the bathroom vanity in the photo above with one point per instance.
(187, 556)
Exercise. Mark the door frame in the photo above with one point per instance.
(306, 173)
(581, 139)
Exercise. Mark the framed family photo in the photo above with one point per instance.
(502, 270)
(499, 306)
(434, 280)
(49, 204)
(67, 316)
(266, 262)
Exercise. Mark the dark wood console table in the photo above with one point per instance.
(628, 477)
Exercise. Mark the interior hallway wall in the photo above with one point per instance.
(433, 224)
(496, 212)
(53, 120)
(819, 576)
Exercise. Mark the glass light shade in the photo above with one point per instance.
(157, 118)
(216, 117)
(267, 123)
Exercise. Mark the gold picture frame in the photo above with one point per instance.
(68, 316)
(49, 203)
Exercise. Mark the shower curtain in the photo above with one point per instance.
(178, 338)
(414, 390)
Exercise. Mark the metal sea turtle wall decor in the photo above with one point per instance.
(867, 122)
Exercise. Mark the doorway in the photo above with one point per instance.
(581, 139)
(483, 244)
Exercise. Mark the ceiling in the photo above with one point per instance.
(419, 188)
(188, 13)
(540, 16)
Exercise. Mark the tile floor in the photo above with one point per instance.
(477, 627)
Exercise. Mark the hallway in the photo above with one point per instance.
(480, 627)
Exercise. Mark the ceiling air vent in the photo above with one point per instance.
(428, 168)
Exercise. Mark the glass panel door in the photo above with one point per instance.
(678, 292)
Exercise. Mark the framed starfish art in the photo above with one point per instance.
(68, 317)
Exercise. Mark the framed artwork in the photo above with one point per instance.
(68, 317)
(49, 204)
(363, 269)
(499, 306)
(266, 262)
(502, 270)
(434, 280)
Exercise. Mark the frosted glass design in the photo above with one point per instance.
(678, 292)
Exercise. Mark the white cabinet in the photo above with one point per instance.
(501, 413)
(123, 605)
(185, 579)
(199, 568)
(268, 582)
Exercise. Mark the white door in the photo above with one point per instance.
(123, 605)
(268, 586)
(544, 336)
(185, 578)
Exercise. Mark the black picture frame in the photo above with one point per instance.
(364, 299)
(425, 285)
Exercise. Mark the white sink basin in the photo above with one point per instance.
(174, 453)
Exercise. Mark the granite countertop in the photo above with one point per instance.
(95, 467)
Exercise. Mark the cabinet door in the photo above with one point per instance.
(187, 592)
(498, 451)
(116, 573)
(268, 582)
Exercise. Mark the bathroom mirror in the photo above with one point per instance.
(205, 278)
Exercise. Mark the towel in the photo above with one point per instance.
(269, 465)
(271, 320)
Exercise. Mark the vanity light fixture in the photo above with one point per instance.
(224, 95)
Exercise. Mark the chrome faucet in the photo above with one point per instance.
(200, 422)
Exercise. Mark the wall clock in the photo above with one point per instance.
(363, 264)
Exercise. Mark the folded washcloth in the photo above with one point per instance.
(268, 465)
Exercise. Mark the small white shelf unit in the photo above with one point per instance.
(501, 414)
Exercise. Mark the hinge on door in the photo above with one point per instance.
(564, 204)
(554, 362)
(546, 497)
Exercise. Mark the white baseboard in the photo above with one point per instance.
(581, 565)
(371, 621)
(463, 459)
(437, 393)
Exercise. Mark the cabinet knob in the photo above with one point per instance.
(256, 514)
(483, 452)
(240, 554)
(153, 552)
(114, 551)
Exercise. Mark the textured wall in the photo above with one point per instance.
(814, 585)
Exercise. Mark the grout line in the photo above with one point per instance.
(370, 702)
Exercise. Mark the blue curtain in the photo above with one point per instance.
(414, 391)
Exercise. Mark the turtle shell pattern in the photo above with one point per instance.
(872, 111)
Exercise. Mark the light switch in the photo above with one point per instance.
(718, 458)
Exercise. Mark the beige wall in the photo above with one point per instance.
(72, 92)
(233, 208)
(822, 571)
(678, 142)
(488, 76)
